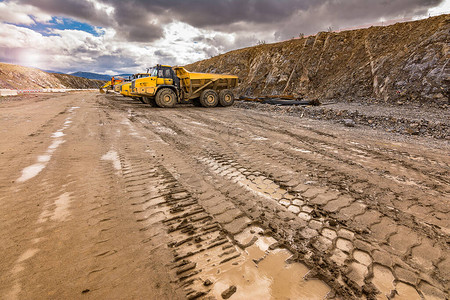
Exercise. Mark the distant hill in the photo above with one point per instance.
(123, 75)
(51, 71)
(19, 77)
(89, 75)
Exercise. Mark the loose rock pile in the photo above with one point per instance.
(436, 128)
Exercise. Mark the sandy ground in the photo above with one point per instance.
(102, 197)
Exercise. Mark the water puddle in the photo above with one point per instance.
(58, 134)
(62, 208)
(406, 292)
(27, 254)
(265, 274)
(133, 131)
(300, 150)
(55, 144)
(114, 158)
(165, 130)
(197, 123)
(362, 257)
(42, 160)
(383, 279)
(259, 138)
(31, 171)
(73, 108)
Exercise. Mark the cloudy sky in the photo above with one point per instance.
(126, 36)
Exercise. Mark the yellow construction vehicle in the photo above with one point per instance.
(117, 83)
(112, 85)
(167, 86)
(105, 87)
(126, 86)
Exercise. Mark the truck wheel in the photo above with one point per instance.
(166, 98)
(226, 98)
(150, 101)
(141, 99)
(209, 98)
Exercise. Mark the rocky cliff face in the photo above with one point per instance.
(393, 64)
(18, 77)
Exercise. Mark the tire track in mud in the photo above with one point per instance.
(207, 249)
(312, 150)
(280, 152)
(211, 250)
(366, 264)
(393, 266)
(352, 150)
(418, 250)
(327, 277)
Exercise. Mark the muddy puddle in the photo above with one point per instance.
(262, 273)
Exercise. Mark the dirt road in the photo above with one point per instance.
(102, 197)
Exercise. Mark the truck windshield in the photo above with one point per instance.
(153, 72)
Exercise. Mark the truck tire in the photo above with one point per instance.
(141, 99)
(209, 98)
(226, 98)
(149, 101)
(165, 97)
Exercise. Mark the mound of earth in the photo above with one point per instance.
(19, 77)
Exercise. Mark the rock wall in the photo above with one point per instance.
(405, 62)
(18, 77)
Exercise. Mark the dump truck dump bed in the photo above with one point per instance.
(193, 83)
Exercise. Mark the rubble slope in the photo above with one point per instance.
(405, 62)
(19, 77)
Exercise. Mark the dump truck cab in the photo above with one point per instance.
(159, 77)
(125, 89)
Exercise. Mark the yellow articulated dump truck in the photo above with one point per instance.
(167, 86)
(125, 88)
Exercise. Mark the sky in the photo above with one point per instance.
(127, 36)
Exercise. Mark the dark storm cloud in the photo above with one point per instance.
(206, 13)
(219, 14)
(81, 10)
(350, 13)
(143, 20)
(132, 21)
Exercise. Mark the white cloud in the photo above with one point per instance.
(22, 14)
(443, 8)
(81, 50)
(100, 6)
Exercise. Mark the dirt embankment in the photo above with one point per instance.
(401, 63)
(18, 77)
